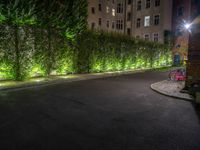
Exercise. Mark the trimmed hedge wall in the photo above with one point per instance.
(102, 52)
(38, 54)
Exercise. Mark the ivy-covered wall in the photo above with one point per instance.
(36, 36)
(101, 52)
(49, 37)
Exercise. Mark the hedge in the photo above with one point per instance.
(41, 55)
(103, 52)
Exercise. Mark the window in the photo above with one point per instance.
(129, 16)
(180, 11)
(155, 37)
(113, 25)
(128, 31)
(146, 37)
(157, 3)
(138, 22)
(139, 5)
(119, 24)
(107, 9)
(93, 25)
(147, 21)
(129, 2)
(148, 3)
(100, 8)
(156, 19)
(108, 23)
(120, 8)
(137, 36)
(113, 12)
(113, 1)
(93, 10)
(99, 21)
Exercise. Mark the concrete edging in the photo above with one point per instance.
(182, 96)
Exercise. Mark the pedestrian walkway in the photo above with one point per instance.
(172, 89)
(42, 81)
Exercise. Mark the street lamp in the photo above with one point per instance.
(187, 26)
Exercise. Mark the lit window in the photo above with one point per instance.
(138, 22)
(156, 19)
(155, 37)
(113, 12)
(107, 9)
(148, 3)
(157, 3)
(147, 21)
(139, 5)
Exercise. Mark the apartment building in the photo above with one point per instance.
(181, 17)
(147, 19)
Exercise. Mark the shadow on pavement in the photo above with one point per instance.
(197, 110)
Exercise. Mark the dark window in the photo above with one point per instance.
(93, 25)
(156, 19)
(100, 7)
(138, 23)
(180, 11)
(129, 16)
(120, 8)
(108, 23)
(157, 3)
(146, 37)
(129, 2)
(139, 5)
(119, 24)
(113, 1)
(148, 3)
(113, 24)
(128, 31)
(93, 10)
(99, 21)
(155, 37)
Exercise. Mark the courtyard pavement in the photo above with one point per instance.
(112, 113)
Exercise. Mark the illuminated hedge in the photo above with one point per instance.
(35, 36)
(102, 52)
(42, 38)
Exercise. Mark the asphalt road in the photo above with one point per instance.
(115, 113)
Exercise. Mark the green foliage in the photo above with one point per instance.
(42, 38)
(35, 35)
(102, 52)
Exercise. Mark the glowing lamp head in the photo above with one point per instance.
(187, 26)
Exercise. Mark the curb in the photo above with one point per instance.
(68, 80)
(156, 89)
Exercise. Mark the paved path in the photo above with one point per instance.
(172, 88)
(116, 113)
